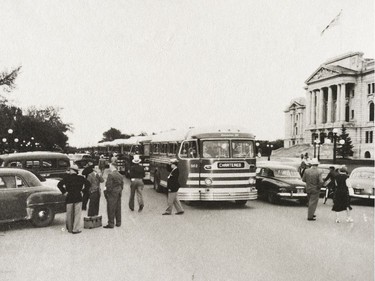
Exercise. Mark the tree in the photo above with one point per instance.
(112, 134)
(7, 79)
(346, 149)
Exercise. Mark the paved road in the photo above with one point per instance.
(211, 241)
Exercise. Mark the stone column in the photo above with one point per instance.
(338, 95)
(313, 112)
(342, 103)
(319, 108)
(308, 108)
(329, 105)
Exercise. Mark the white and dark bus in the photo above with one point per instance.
(215, 164)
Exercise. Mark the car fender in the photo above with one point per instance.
(52, 199)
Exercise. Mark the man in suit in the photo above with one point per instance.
(74, 185)
(314, 181)
(114, 186)
(173, 185)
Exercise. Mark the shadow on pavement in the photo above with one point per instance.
(217, 205)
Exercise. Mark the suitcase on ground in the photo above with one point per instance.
(92, 222)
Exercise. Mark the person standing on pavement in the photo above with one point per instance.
(173, 185)
(89, 168)
(137, 174)
(329, 182)
(114, 186)
(341, 199)
(94, 194)
(101, 164)
(314, 181)
(74, 185)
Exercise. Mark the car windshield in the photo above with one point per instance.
(286, 173)
(362, 175)
(242, 149)
(216, 149)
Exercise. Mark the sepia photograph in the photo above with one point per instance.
(200, 140)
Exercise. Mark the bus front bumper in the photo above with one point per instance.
(217, 194)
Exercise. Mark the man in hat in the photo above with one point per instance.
(114, 186)
(137, 174)
(89, 168)
(173, 185)
(314, 181)
(74, 185)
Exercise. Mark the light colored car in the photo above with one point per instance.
(361, 183)
(22, 196)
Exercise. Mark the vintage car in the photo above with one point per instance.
(276, 181)
(23, 197)
(44, 163)
(361, 183)
(80, 159)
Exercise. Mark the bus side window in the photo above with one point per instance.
(189, 149)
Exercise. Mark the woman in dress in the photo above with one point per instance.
(341, 200)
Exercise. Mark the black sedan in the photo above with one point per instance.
(275, 181)
(22, 196)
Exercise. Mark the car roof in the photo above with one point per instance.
(326, 166)
(7, 171)
(33, 154)
(367, 169)
(275, 166)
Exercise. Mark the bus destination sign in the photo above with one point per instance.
(225, 165)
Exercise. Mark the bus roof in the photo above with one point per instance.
(202, 132)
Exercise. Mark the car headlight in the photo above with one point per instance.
(252, 181)
(208, 181)
(283, 189)
(147, 168)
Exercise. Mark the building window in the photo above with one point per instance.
(352, 114)
(373, 87)
(371, 111)
(369, 136)
(367, 154)
(368, 88)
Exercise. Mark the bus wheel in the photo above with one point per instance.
(241, 202)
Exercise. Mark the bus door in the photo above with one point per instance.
(189, 164)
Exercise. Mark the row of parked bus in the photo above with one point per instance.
(214, 163)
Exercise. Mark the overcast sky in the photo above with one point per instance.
(161, 64)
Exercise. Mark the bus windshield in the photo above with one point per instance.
(242, 149)
(216, 149)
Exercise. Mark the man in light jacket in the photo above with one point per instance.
(314, 181)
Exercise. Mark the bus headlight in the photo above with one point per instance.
(252, 181)
(208, 181)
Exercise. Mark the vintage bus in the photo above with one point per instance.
(129, 148)
(215, 164)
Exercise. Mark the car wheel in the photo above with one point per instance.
(42, 216)
(241, 202)
(272, 197)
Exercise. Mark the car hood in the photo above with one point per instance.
(292, 181)
(367, 184)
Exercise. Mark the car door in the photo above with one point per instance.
(13, 195)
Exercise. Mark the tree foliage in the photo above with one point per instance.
(113, 134)
(345, 149)
(37, 129)
(7, 79)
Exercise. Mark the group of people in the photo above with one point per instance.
(85, 188)
(336, 181)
